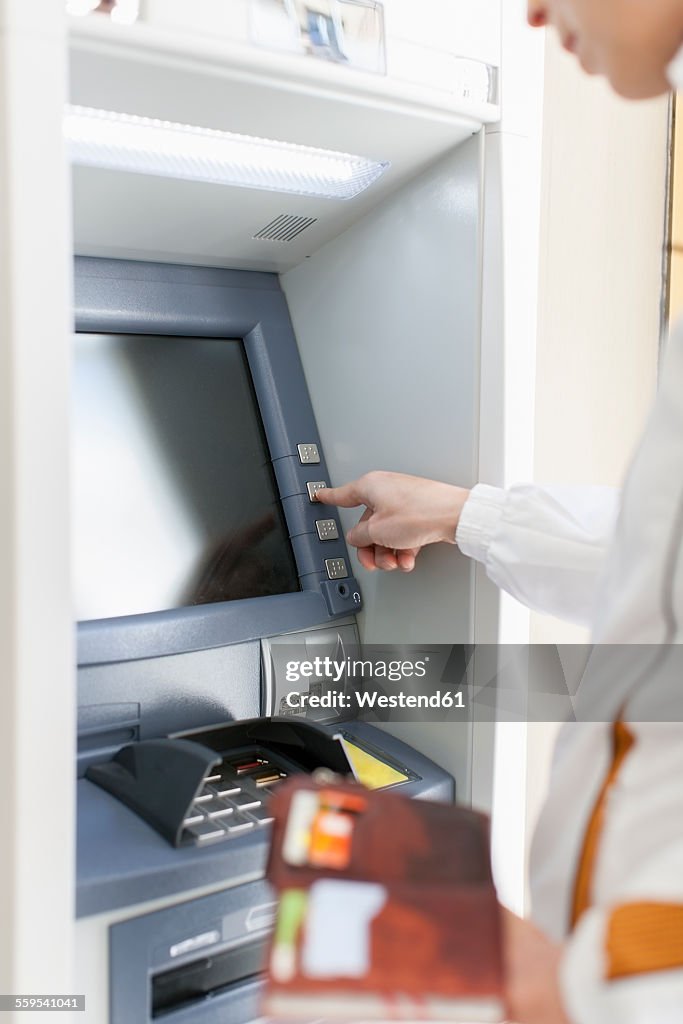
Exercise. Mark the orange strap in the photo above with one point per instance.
(623, 740)
(643, 937)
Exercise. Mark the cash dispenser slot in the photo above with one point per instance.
(182, 987)
(195, 962)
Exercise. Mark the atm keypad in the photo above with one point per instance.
(233, 798)
(327, 529)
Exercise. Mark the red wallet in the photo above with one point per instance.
(387, 908)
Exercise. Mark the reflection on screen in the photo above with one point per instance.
(175, 502)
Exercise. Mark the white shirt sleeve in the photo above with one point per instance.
(544, 545)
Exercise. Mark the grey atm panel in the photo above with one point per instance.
(198, 961)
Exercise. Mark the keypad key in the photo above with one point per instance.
(206, 830)
(251, 765)
(268, 779)
(218, 808)
(238, 823)
(227, 787)
(261, 814)
(245, 800)
(205, 794)
(194, 816)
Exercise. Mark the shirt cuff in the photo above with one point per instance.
(479, 520)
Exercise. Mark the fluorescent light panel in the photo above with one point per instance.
(123, 142)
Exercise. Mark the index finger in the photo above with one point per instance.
(347, 496)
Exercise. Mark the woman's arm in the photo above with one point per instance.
(545, 546)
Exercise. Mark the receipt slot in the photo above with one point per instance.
(197, 961)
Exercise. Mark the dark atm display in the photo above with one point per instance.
(175, 501)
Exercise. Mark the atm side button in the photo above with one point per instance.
(336, 568)
(327, 529)
(308, 454)
(313, 486)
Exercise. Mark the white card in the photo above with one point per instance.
(337, 937)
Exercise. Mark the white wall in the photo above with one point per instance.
(602, 243)
(387, 321)
(510, 292)
(37, 688)
(508, 364)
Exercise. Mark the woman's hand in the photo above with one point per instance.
(532, 962)
(403, 514)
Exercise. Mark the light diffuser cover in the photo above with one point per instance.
(125, 142)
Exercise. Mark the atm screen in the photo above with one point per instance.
(175, 501)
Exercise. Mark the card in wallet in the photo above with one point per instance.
(386, 909)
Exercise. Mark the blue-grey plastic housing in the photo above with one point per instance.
(123, 296)
(122, 861)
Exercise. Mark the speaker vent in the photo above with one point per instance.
(284, 228)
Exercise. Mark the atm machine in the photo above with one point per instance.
(199, 548)
(318, 294)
